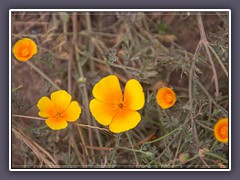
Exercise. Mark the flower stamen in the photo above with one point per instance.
(120, 105)
(25, 52)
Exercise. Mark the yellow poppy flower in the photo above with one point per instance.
(59, 110)
(111, 107)
(221, 130)
(166, 97)
(24, 49)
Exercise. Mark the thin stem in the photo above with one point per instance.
(214, 144)
(179, 143)
(193, 126)
(15, 89)
(43, 75)
(115, 149)
(131, 143)
(42, 119)
(219, 60)
(133, 150)
(90, 44)
(161, 138)
(210, 97)
(205, 42)
(28, 117)
(217, 156)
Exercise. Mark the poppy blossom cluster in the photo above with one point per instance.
(110, 107)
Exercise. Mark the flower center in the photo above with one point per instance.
(25, 52)
(169, 98)
(59, 114)
(120, 105)
(224, 131)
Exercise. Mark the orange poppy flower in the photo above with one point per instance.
(111, 107)
(166, 97)
(59, 110)
(24, 49)
(221, 130)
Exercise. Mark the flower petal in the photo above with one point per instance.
(46, 107)
(56, 123)
(21, 44)
(32, 47)
(103, 112)
(133, 95)
(108, 90)
(61, 100)
(72, 112)
(124, 121)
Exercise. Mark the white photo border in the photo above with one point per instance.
(114, 10)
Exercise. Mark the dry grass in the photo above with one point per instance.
(188, 52)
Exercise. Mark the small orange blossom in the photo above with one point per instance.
(24, 49)
(58, 110)
(166, 97)
(111, 107)
(221, 130)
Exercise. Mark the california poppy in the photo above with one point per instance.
(221, 130)
(24, 49)
(59, 110)
(111, 107)
(166, 97)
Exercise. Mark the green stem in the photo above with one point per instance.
(133, 150)
(43, 75)
(216, 156)
(194, 157)
(15, 89)
(115, 149)
(134, 153)
(161, 138)
(214, 144)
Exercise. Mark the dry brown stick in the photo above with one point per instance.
(100, 148)
(43, 75)
(42, 119)
(83, 145)
(73, 143)
(90, 44)
(74, 42)
(28, 117)
(105, 69)
(205, 42)
(36, 148)
(83, 88)
(88, 119)
(70, 70)
(31, 24)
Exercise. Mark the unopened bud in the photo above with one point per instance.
(183, 157)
